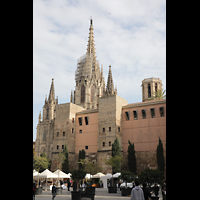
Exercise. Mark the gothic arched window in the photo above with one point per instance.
(149, 90)
(82, 94)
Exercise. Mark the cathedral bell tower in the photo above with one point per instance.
(149, 88)
(88, 76)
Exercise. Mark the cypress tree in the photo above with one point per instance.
(65, 165)
(81, 156)
(116, 148)
(160, 157)
(116, 154)
(132, 158)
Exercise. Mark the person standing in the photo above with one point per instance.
(34, 189)
(137, 192)
(68, 184)
(146, 192)
(53, 191)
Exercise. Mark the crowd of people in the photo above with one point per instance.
(137, 193)
(142, 193)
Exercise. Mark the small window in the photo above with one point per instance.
(63, 133)
(80, 131)
(152, 112)
(118, 128)
(80, 121)
(127, 115)
(57, 134)
(162, 111)
(103, 144)
(72, 120)
(57, 146)
(62, 146)
(72, 130)
(135, 114)
(143, 114)
(104, 130)
(86, 120)
(109, 129)
(109, 144)
(149, 90)
(86, 147)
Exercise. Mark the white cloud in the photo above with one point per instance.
(130, 35)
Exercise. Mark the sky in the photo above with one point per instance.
(130, 35)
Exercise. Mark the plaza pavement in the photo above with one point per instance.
(100, 194)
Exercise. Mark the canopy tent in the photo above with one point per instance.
(61, 174)
(105, 178)
(88, 176)
(98, 175)
(35, 173)
(116, 175)
(47, 174)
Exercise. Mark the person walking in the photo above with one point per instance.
(34, 189)
(146, 192)
(53, 191)
(137, 192)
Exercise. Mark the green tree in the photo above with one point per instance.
(160, 156)
(115, 163)
(89, 166)
(65, 164)
(116, 159)
(151, 176)
(81, 156)
(49, 160)
(132, 158)
(40, 163)
(116, 148)
(127, 176)
(77, 175)
(160, 94)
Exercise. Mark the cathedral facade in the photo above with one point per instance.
(96, 115)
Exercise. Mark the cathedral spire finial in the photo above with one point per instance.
(52, 92)
(91, 46)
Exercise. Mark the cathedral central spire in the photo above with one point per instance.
(89, 78)
(91, 45)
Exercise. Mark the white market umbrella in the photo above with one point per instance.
(61, 174)
(47, 174)
(116, 175)
(98, 175)
(35, 173)
(88, 176)
(105, 178)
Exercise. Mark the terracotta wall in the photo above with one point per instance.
(144, 133)
(89, 135)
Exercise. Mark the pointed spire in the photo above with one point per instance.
(71, 98)
(110, 86)
(91, 45)
(52, 93)
(39, 117)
